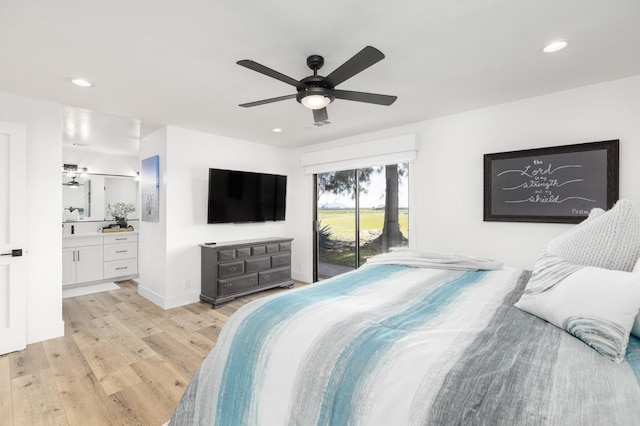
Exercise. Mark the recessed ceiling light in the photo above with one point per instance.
(276, 130)
(555, 46)
(81, 82)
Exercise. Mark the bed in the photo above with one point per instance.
(435, 341)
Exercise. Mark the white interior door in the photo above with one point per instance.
(13, 237)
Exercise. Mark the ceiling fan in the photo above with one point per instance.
(73, 183)
(316, 92)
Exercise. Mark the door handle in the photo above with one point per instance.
(13, 253)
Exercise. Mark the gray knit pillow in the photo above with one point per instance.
(608, 239)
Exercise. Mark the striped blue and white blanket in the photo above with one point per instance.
(399, 345)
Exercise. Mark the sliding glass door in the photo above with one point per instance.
(359, 213)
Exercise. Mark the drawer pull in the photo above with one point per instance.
(233, 268)
(227, 285)
(266, 276)
(121, 251)
(124, 267)
(121, 239)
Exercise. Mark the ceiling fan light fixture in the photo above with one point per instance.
(315, 97)
(315, 101)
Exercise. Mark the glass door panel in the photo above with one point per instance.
(384, 210)
(336, 223)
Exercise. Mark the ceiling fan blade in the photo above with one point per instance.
(270, 73)
(320, 115)
(358, 63)
(370, 98)
(268, 101)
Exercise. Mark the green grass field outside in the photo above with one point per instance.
(342, 222)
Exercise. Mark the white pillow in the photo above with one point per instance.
(605, 239)
(596, 305)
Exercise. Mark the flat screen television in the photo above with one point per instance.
(238, 196)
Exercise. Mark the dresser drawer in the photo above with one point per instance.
(257, 264)
(230, 269)
(228, 254)
(243, 252)
(275, 276)
(256, 250)
(237, 285)
(120, 268)
(272, 248)
(282, 259)
(120, 251)
(285, 246)
(117, 239)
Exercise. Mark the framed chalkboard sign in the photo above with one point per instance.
(558, 185)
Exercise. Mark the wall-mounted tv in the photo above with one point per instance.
(238, 196)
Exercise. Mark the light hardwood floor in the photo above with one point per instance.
(122, 361)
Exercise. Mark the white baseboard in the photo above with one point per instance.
(45, 332)
(299, 276)
(167, 302)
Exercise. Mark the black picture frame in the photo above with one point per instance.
(553, 185)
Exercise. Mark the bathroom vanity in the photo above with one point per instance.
(99, 257)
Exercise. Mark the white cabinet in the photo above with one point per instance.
(89, 264)
(120, 255)
(68, 266)
(82, 260)
(95, 258)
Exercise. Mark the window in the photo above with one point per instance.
(359, 213)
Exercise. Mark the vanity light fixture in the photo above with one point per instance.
(81, 82)
(555, 46)
(70, 169)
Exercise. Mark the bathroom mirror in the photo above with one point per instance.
(86, 197)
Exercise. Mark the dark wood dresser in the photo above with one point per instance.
(235, 268)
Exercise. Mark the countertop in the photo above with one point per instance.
(95, 234)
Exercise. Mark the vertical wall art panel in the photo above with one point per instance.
(150, 179)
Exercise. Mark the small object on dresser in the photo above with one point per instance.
(210, 244)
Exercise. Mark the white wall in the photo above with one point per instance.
(448, 214)
(152, 238)
(183, 212)
(44, 204)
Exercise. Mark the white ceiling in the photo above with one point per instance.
(167, 62)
